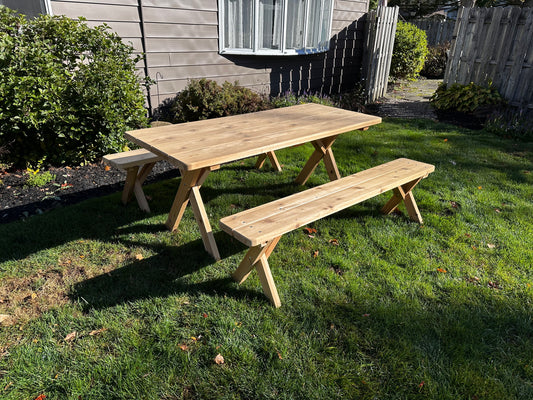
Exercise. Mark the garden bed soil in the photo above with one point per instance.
(70, 186)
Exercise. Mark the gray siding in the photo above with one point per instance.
(181, 43)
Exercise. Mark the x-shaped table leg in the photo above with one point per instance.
(404, 193)
(257, 257)
(273, 160)
(322, 151)
(189, 190)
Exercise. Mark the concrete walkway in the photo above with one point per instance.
(407, 99)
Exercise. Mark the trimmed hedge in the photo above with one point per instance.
(410, 50)
(68, 92)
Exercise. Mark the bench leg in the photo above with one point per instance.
(322, 151)
(404, 193)
(273, 160)
(133, 185)
(257, 257)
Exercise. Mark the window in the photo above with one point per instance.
(31, 8)
(274, 27)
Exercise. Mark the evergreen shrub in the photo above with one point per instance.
(68, 92)
(409, 53)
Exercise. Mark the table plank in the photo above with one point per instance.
(200, 144)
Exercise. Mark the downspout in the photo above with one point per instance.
(143, 44)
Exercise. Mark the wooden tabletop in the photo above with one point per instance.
(206, 143)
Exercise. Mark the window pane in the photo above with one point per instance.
(318, 28)
(295, 24)
(270, 24)
(238, 24)
(31, 8)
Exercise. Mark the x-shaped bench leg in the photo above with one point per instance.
(257, 257)
(273, 160)
(133, 185)
(404, 193)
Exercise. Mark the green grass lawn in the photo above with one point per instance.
(102, 302)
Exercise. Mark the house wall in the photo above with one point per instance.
(181, 43)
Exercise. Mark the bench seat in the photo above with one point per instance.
(138, 164)
(261, 227)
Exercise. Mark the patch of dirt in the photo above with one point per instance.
(71, 185)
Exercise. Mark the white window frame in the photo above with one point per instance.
(256, 50)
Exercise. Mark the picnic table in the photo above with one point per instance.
(199, 147)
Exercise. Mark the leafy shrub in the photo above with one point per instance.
(204, 99)
(410, 50)
(38, 179)
(512, 123)
(465, 98)
(290, 99)
(436, 59)
(67, 91)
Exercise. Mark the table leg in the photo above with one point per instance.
(203, 223)
(189, 179)
(322, 151)
(273, 160)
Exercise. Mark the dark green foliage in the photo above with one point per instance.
(511, 123)
(68, 92)
(204, 99)
(290, 99)
(410, 50)
(465, 98)
(435, 63)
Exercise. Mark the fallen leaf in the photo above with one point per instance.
(97, 331)
(421, 384)
(279, 355)
(107, 168)
(468, 235)
(41, 397)
(33, 296)
(204, 315)
(139, 257)
(494, 285)
(70, 337)
(442, 270)
(497, 210)
(315, 254)
(334, 242)
(310, 231)
(527, 172)
(7, 386)
(184, 347)
(366, 315)
(445, 140)
(193, 339)
(480, 187)
(311, 236)
(491, 246)
(454, 204)
(219, 359)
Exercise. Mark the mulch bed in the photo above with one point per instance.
(71, 185)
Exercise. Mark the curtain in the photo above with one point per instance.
(295, 24)
(270, 24)
(238, 24)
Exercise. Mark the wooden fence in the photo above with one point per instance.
(494, 45)
(379, 44)
(437, 31)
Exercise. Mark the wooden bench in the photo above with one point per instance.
(137, 164)
(261, 227)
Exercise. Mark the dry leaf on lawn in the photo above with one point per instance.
(184, 347)
(334, 242)
(219, 359)
(97, 331)
(70, 337)
(139, 257)
(310, 231)
(315, 254)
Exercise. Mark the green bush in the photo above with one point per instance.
(465, 98)
(204, 99)
(67, 91)
(435, 63)
(290, 99)
(410, 50)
